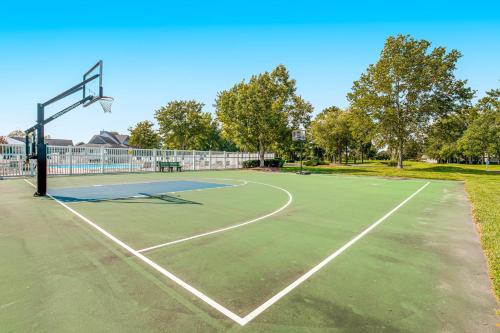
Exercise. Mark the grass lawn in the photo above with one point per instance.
(482, 187)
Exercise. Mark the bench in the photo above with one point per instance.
(169, 166)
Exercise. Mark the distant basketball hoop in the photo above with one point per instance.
(299, 135)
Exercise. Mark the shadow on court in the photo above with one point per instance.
(145, 199)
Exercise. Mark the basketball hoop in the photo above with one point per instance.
(299, 135)
(106, 103)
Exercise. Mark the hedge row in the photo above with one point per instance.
(276, 162)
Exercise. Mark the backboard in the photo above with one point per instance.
(94, 87)
(299, 135)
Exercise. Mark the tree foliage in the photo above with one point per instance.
(331, 131)
(16, 133)
(409, 84)
(184, 125)
(482, 136)
(144, 136)
(362, 130)
(259, 114)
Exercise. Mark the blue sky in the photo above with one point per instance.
(158, 51)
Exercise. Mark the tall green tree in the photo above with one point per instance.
(259, 114)
(299, 117)
(143, 135)
(443, 135)
(362, 130)
(184, 125)
(410, 83)
(482, 137)
(331, 131)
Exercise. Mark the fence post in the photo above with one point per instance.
(225, 159)
(193, 160)
(130, 152)
(102, 159)
(209, 160)
(154, 159)
(70, 154)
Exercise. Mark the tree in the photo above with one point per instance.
(444, 133)
(3, 140)
(184, 125)
(16, 133)
(299, 117)
(482, 137)
(143, 135)
(362, 129)
(331, 132)
(259, 114)
(409, 84)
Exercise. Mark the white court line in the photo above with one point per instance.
(290, 198)
(242, 321)
(323, 263)
(154, 265)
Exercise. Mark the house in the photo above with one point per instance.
(17, 140)
(14, 140)
(58, 142)
(108, 139)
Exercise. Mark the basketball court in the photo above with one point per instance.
(242, 250)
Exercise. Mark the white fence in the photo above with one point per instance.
(88, 160)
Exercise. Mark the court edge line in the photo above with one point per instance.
(228, 313)
(323, 263)
(290, 199)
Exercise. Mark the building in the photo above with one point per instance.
(14, 140)
(108, 140)
(59, 142)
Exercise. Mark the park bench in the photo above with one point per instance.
(169, 166)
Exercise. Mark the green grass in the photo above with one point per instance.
(482, 187)
(419, 270)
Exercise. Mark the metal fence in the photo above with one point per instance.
(87, 160)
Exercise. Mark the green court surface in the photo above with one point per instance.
(274, 252)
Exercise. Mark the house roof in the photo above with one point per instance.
(14, 140)
(122, 137)
(59, 142)
(108, 139)
(106, 145)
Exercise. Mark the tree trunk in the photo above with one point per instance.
(400, 154)
(261, 154)
(361, 153)
(346, 156)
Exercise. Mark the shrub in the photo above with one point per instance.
(392, 163)
(383, 155)
(314, 162)
(251, 163)
(274, 163)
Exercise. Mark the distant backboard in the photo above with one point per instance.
(94, 87)
(299, 135)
